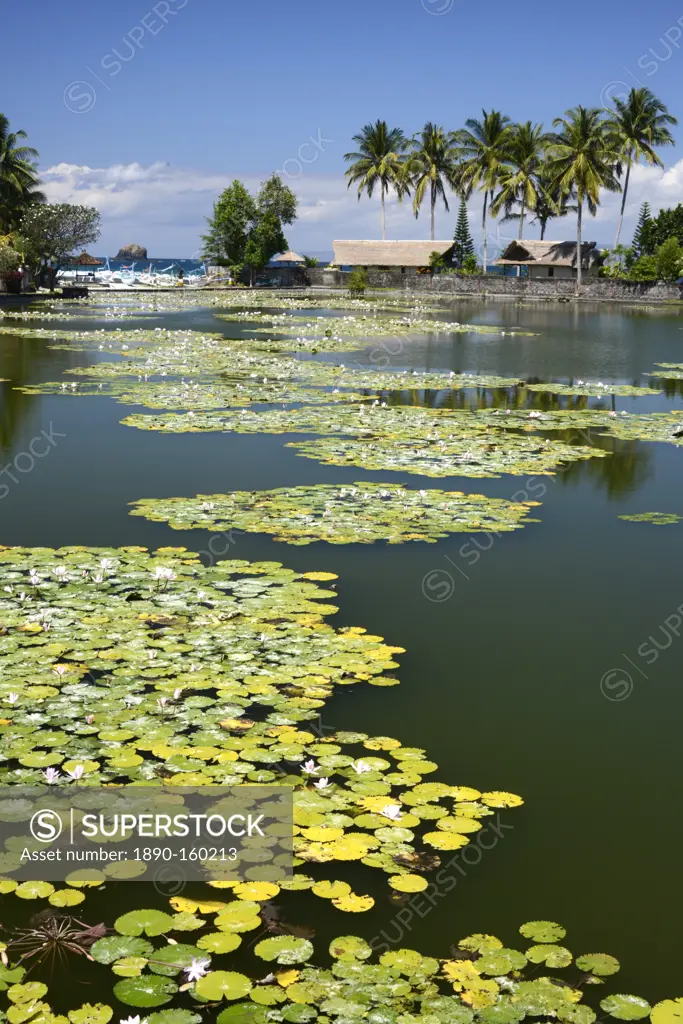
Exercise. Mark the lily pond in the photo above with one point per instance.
(400, 558)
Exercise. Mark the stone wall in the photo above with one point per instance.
(512, 287)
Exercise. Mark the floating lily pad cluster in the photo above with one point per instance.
(328, 333)
(360, 513)
(670, 371)
(483, 981)
(125, 667)
(594, 390)
(656, 518)
(195, 396)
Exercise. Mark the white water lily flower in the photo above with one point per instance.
(59, 570)
(99, 578)
(133, 1020)
(76, 773)
(11, 698)
(164, 573)
(361, 766)
(322, 784)
(51, 775)
(310, 768)
(391, 811)
(177, 693)
(107, 563)
(197, 969)
(162, 702)
(89, 719)
(34, 578)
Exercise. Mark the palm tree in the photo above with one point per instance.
(639, 123)
(551, 202)
(520, 183)
(582, 157)
(483, 146)
(18, 177)
(431, 163)
(378, 161)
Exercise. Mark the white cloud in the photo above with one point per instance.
(163, 207)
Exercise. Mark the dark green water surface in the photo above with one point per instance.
(508, 639)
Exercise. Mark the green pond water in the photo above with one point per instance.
(521, 671)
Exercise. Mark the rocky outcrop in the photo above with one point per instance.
(132, 252)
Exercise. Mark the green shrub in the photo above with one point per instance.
(10, 259)
(669, 258)
(358, 281)
(644, 269)
(470, 265)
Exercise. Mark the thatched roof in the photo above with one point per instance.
(553, 254)
(288, 257)
(85, 260)
(387, 254)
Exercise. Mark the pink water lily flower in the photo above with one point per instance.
(310, 768)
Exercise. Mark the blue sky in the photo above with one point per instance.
(149, 107)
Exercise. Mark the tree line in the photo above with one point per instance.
(32, 230)
(520, 169)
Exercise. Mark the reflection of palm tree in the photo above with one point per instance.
(18, 360)
(378, 161)
(622, 472)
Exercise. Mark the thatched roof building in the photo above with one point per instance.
(550, 259)
(393, 255)
(287, 259)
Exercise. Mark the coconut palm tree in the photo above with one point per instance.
(378, 161)
(18, 177)
(483, 149)
(551, 202)
(520, 182)
(431, 164)
(639, 124)
(582, 157)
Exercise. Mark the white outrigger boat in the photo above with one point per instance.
(127, 279)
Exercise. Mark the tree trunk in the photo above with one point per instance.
(384, 218)
(623, 201)
(521, 231)
(483, 228)
(433, 199)
(543, 227)
(578, 244)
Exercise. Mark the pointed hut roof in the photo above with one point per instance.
(288, 257)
